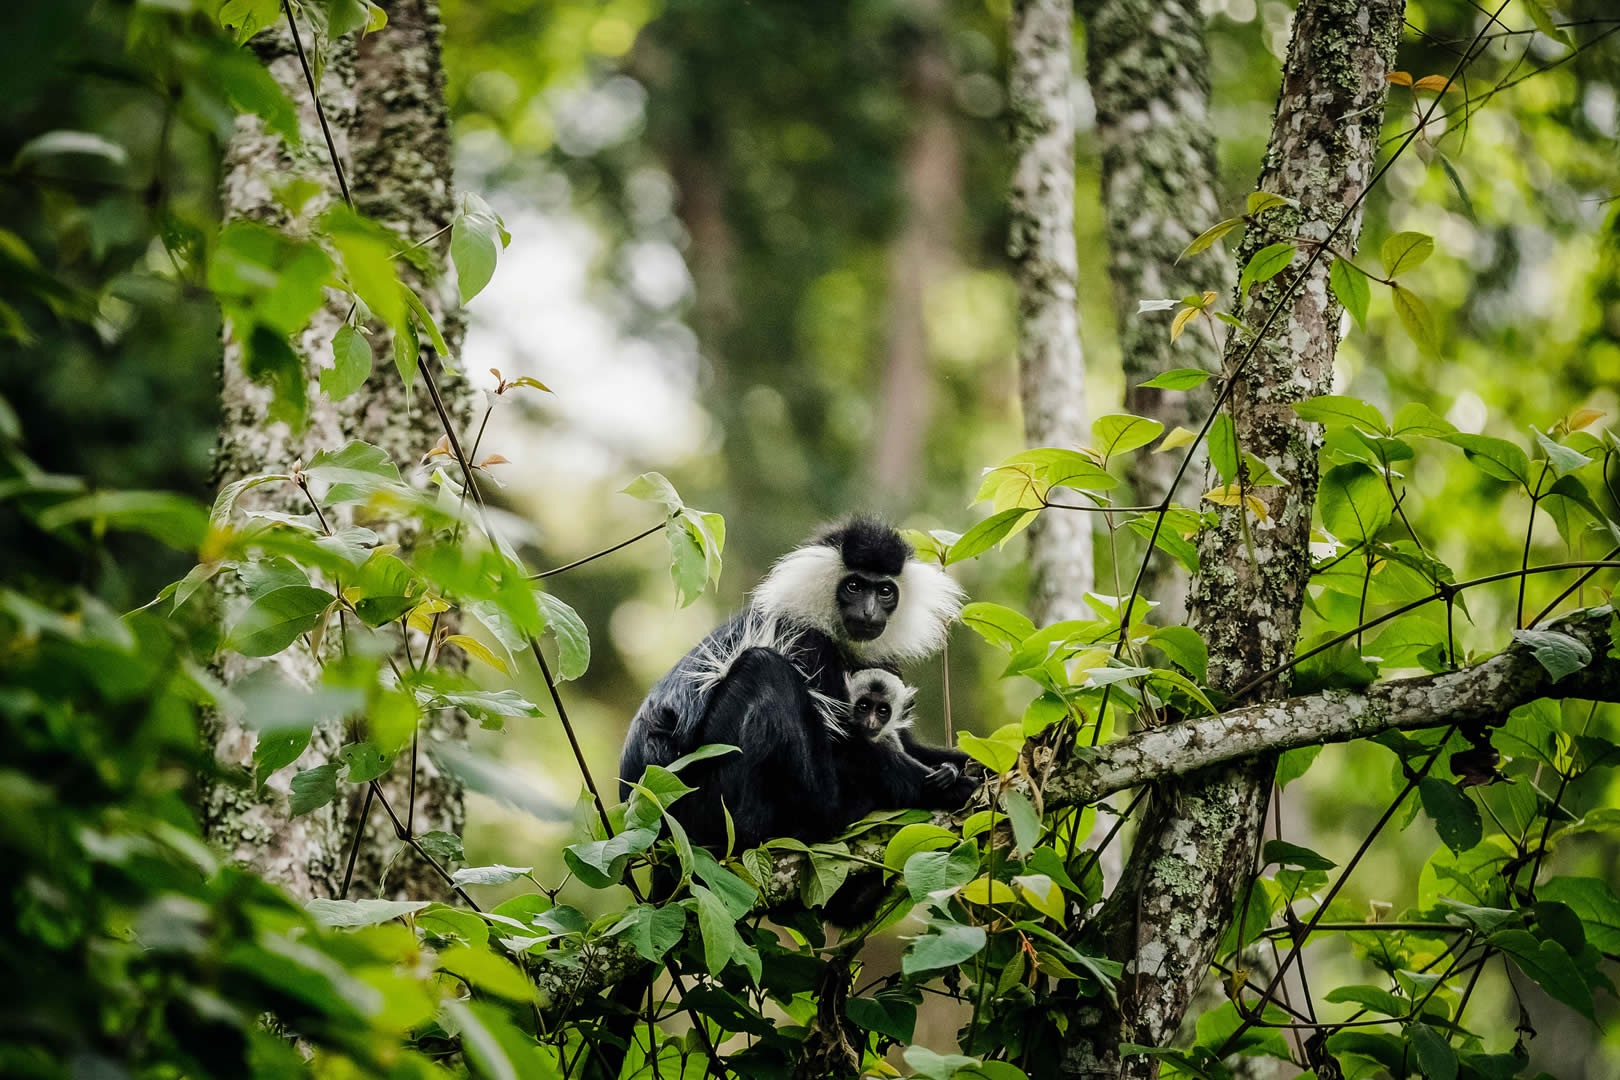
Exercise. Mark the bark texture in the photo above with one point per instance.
(1197, 846)
(1041, 242)
(384, 100)
(1149, 73)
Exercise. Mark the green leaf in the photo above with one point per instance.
(351, 364)
(1549, 966)
(947, 945)
(1292, 764)
(1455, 816)
(1562, 459)
(1283, 853)
(1332, 410)
(1370, 997)
(424, 318)
(357, 466)
(1405, 251)
(702, 753)
(917, 837)
(941, 871)
(986, 534)
(1352, 288)
(1435, 1057)
(473, 249)
(652, 930)
(997, 624)
(1047, 709)
(1415, 418)
(1559, 653)
(688, 566)
(999, 752)
(487, 972)
(600, 863)
(887, 1013)
(1223, 447)
(653, 487)
(825, 872)
(1594, 901)
(1178, 379)
(278, 618)
(1184, 646)
(1354, 502)
(352, 913)
(367, 251)
(313, 788)
(365, 762)
(1264, 265)
(1259, 202)
(173, 519)
(719, 930)
(1494, 457)
(488, 707)
(1209, 236)
(573, 639)
(1418, 323)
(1026, 823)
(276, 750)
(496, 874)
(444, 846)
(1456, 182)
(1120, 433)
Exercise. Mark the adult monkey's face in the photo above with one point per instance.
(865, 602)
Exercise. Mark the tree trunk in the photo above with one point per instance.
(1149, 73)
(384, 101)
(1041, 243)
(1197, 847)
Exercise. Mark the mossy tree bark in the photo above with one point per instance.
(1197, 846)
(384, 102)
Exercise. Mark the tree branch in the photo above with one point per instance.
(1481, 694)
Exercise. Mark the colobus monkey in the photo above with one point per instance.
(773, 681)
(892, 771)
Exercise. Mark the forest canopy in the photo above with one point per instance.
(392, 392)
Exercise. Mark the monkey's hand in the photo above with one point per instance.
(942, 778)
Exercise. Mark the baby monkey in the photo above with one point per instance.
(888, 768)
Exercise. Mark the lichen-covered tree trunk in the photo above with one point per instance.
(1051, 367)
(1196, 849)
(1149, 73)
(384, 101)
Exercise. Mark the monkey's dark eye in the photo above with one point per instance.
(852, 587)
(883, 712)
(886, 591)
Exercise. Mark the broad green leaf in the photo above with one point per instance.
(351, 913)
(1026, 823)
(276, 750)
(1352, 288)
(176, 520)
(688, 565)
(1405, 251)
(1120, 433)
(351, 364)
(1283, 853)
(1292, 764)
(1042, 894)
(365, 762)
(826, 871)
(424, 318)
(1047, 709)
(278, 618)
(1264, 265)
(738, 896)
(702, 753)
(1370, 997)
(999, 752)
(1259, 202)
(1184, 646)
(1335, 409)
(1549, 966)
(1435, 1057)
(357, 464)
(947, 945)
(1594, 901)
(719, 930)
(985, 891)
(473, 249)
(928, 872)
(313, 788)
(496, 874)
(997, 624)
(887, 1013)
(444, 846)
(1178, 379)
(1455, 816)
(367, 251)
(1457, 183)
(652, 930)
(573, 639)
(993, 530)
(1354, 502)
(1559, 653)
(653, 487)
(1416, 320)
(600, 863)
(1494, 457)
(1223, 447)
(916, 837)
(486, 971)
(1562, 459)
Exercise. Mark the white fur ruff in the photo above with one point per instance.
(803, 587)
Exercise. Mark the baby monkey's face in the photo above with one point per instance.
(871, 714)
